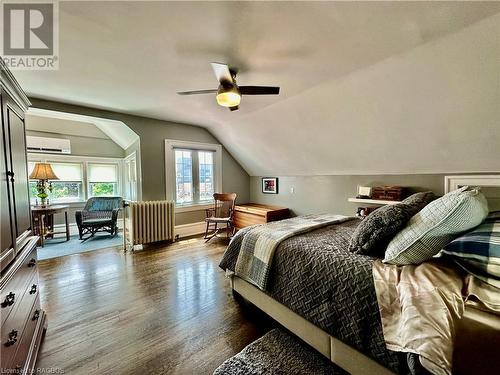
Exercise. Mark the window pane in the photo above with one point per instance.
(102, 189)
(68, 188)
(67, 171)
(183, 176)
(33, 190)
(63, 191)
(103, 173)
(206, 172)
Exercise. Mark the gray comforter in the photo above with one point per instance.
(317, 277)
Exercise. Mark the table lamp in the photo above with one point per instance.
(43, 173)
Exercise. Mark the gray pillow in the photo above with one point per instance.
(420, 200)
(378, 228)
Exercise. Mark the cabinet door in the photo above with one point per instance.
(19, 165)
(6, 239)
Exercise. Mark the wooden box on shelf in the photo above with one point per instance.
(253, 213)
(388, 193)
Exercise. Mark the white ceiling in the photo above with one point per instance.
(134, 56)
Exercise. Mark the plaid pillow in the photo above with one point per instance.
(478, 252)
(436, 225)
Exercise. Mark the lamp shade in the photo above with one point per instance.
(43, 171)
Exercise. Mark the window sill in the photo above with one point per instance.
(193, 207)
(65, 203)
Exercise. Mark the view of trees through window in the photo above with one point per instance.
(64, 190)
(99, 189)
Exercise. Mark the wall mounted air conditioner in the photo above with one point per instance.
(48, 145)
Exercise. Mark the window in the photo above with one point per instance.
(68, 188)
(183, 176)
(206, 175)
(194, 176)
(79, 177)
(102, 180)
(193, 172)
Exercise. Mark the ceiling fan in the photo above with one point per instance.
(228, 94)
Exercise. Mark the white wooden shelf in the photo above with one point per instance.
(372, 201)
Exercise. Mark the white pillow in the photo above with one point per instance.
(436, 225)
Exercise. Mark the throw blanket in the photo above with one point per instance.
(259, 242)
(419, 308)
(316, 276)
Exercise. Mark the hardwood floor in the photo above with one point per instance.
(160, 311)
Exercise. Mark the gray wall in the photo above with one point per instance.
(152, 134)
(86, 146)
(318, 194)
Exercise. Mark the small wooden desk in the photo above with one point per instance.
(43, 221)
(254, 213)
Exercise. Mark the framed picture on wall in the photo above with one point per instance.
(270, 185)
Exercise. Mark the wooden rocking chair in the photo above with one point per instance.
(220, 215)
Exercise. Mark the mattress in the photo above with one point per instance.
(316, 276)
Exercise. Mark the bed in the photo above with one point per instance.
(326, 296)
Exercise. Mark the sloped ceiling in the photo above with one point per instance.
(366, 87)
(74, 124)
(63, 126)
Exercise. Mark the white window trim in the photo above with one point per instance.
(84, 161)
(170, 145)
(138, 179)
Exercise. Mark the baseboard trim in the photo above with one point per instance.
(191, 229)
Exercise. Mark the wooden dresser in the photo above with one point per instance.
(23, 322)
(253, 213)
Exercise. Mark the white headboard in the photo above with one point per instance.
(490, 185)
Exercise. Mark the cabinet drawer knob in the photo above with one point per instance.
(36, 315)
(32, 262)
(33, 289)
(12, 338)
(9, 300)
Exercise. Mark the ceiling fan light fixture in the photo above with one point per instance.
(228, 96)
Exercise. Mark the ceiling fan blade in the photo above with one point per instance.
(259, 90)
(222, 72)
(196, 92)
(235, 108)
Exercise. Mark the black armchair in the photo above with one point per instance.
(99, 214)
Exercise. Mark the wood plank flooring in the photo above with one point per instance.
(165, 310)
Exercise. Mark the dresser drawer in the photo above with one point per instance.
(12, 292)
(25, 343)
(13, 327)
